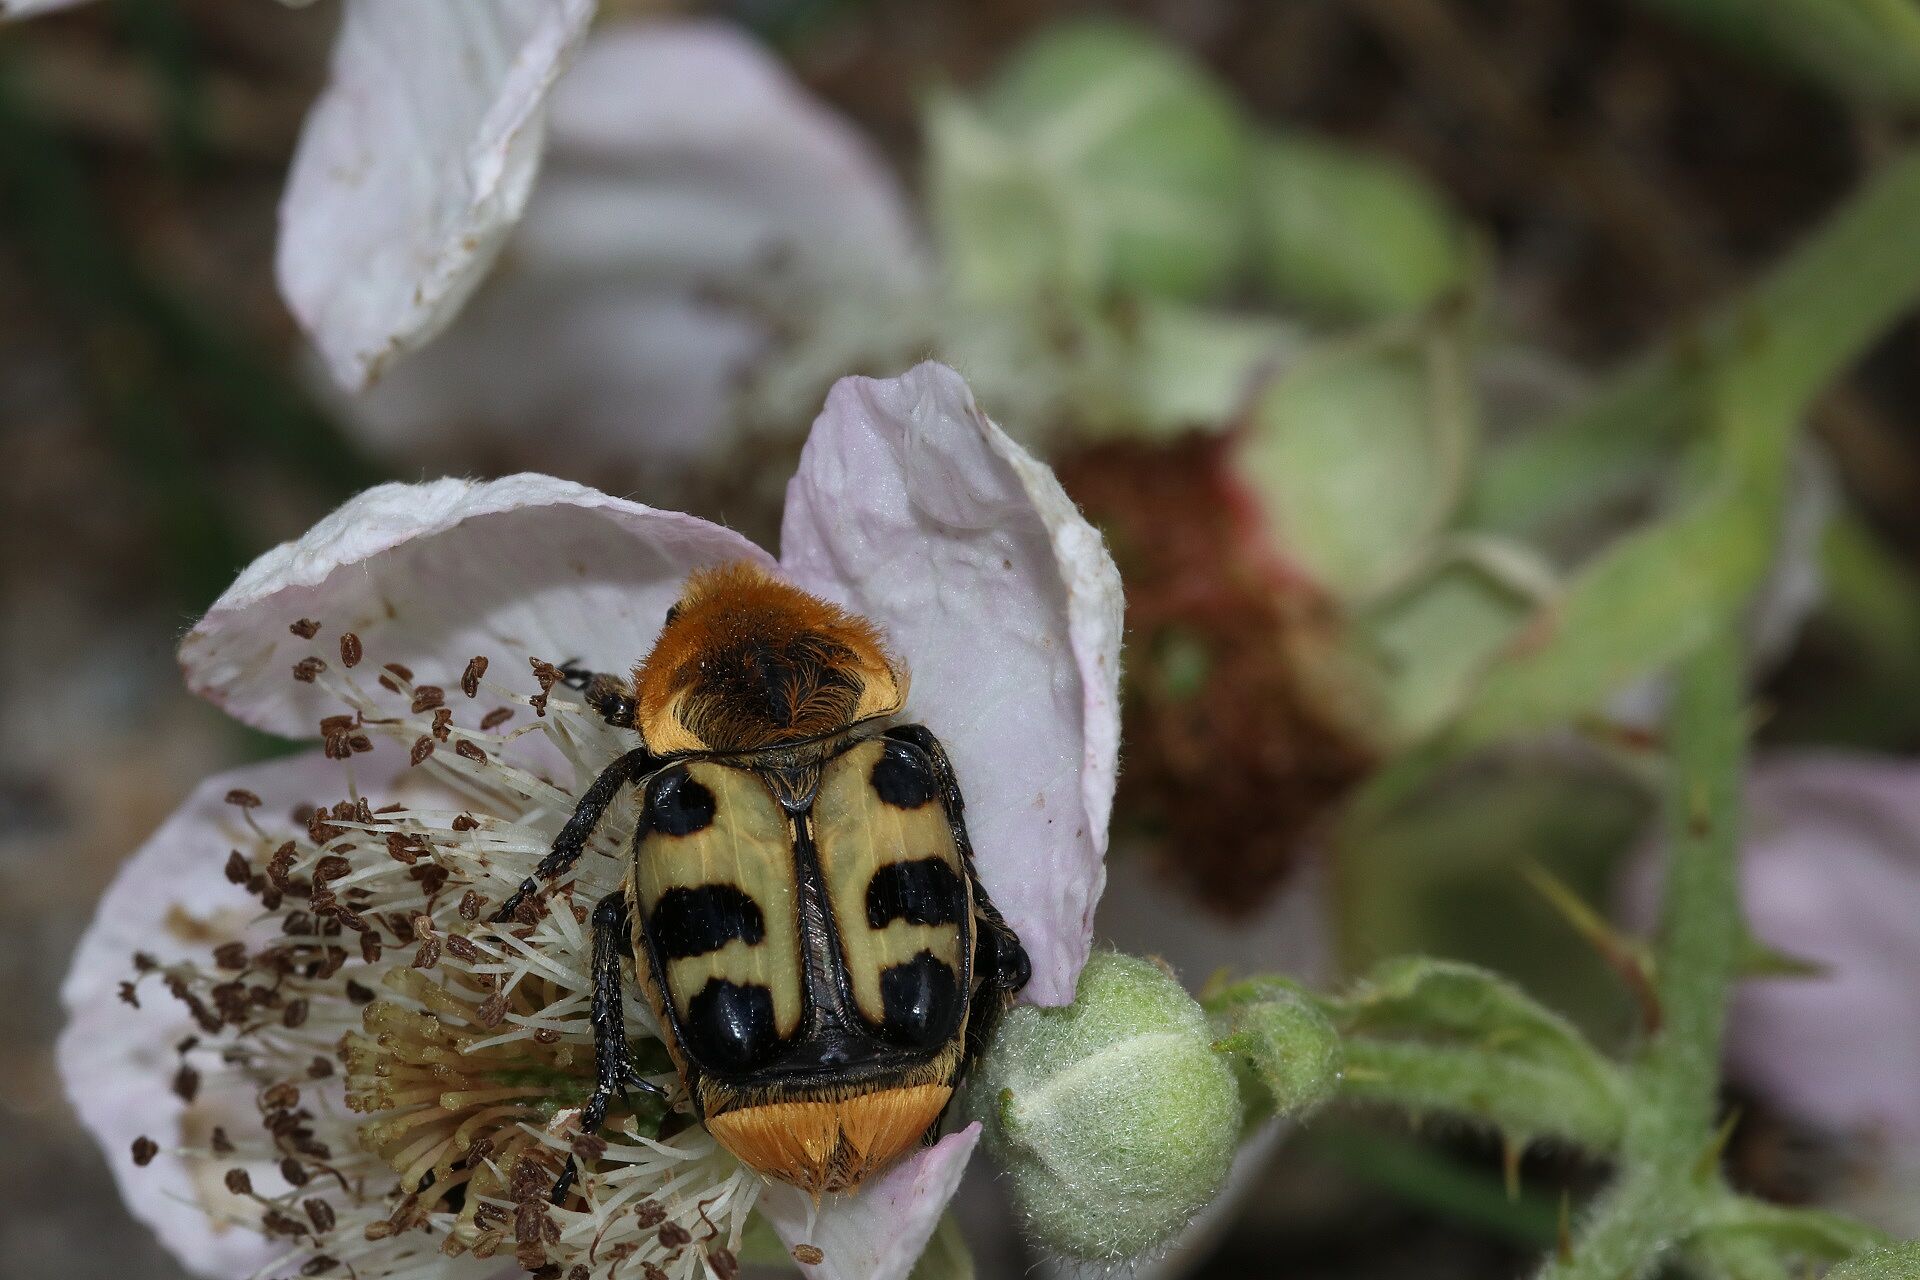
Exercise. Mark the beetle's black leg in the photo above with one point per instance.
(613, 1069)
(572, 840)
(609, 695)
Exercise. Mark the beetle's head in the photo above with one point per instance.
(747, 661)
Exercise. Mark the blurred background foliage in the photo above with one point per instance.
(1435, 368)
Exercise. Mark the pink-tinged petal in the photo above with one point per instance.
(879, 1232)
(694, 199)
(430, 575)
(172, 901)
(1831, 873)
(694, 156)
(912, 508)
(414, 165)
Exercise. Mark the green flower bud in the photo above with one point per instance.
(1291, 1047)
(1114, 1118)
(1349, 233)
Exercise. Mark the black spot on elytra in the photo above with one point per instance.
(730, 1027)
(693, 921)
(903, 776)
(920, 1002)
(677, 805)
(925, 891)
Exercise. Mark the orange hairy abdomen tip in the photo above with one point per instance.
(830, 1146)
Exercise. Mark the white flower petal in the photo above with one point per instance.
(693, 200)
(911, 508)
(879, 1232)
(697, 157)
(172, 901)
(28, 8)
(430, 575)
(414, 165)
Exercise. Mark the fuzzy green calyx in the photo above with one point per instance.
(1114, 1117)
(1291, 1047)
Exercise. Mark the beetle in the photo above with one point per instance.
(801, 904)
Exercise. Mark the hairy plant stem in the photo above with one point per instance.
(1662, 1188)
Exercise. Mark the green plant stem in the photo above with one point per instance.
(1660, 1192)
(1818, 311)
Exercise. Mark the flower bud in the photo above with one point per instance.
(1114, 1118)
(1291, 1048)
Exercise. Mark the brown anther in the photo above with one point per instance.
(379, 1230)
(239, 1182)
(649, 1213)
(306, 628)
(186, 1083)
(318, 1265)
(308, 669)
(652, 1271)
(470, 749)
(129, 995)
(722, 1263)
(426, 697)
(465, 822)
(546, 1035)
(370, 947)
(470, 678)
(495, 718)
(673, 1235)
(492, 1011)
(320, 1213)
(144, 1150)
(808, 1255)
(242, 798)
(578, 1271)
(470, 904)
(350, 649)
(231, 955)
(462, 948)
(422, 748)
(443, 723)
(330, 868)
(359, 994)
(588, 1147)
(361, 743)
(294, 1014)
(294, 1172)
(400, 669)
(320, 1068)
(279, 864)
(238, 870)
(222, 1145)
(428, 954)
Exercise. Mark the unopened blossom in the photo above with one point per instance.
(413, 165)
(295, 1032)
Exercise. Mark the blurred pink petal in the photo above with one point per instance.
(413, 166)
(694, 198)
(912, 508)
(1831, 873)
(430, 575)
(879, 1232)
(172, 901)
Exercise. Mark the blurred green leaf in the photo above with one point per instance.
(1863, 48)
(1357, 454)
(1435, 638)
(1098, 158)
(1352, 234)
